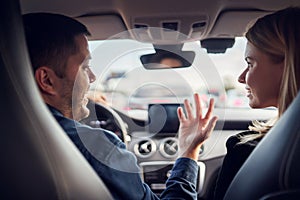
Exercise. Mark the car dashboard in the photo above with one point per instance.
(157, 149)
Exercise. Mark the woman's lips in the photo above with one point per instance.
(248, 93)
(85, 100)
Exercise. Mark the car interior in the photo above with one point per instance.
(132, 43)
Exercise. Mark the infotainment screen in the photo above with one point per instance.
(162, 118)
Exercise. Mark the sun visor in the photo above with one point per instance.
(105, 26)
(234, 23)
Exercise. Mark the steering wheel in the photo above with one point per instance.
(102, 116)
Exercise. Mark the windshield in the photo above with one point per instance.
(130, 88)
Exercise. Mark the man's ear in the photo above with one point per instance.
(45, 78)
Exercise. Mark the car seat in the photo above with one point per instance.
(38, 160)
(272, 170)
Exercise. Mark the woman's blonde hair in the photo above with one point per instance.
(278, 35)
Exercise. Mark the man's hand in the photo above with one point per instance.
(194, 130)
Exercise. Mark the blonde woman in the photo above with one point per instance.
(271, 78)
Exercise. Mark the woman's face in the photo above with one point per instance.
(262, 78)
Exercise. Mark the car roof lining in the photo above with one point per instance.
(219, 14)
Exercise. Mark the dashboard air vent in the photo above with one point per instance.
(169, 147)
(145, 148)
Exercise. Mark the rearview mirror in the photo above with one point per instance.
(168, 56)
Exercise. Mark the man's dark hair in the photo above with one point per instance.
(51, 39)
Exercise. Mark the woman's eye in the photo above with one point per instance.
(86, 67)
(249, 65)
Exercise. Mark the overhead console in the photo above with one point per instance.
(169, 29)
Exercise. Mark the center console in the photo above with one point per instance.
(157, 147)
(156, 173)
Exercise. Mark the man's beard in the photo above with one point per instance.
(79, 107)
